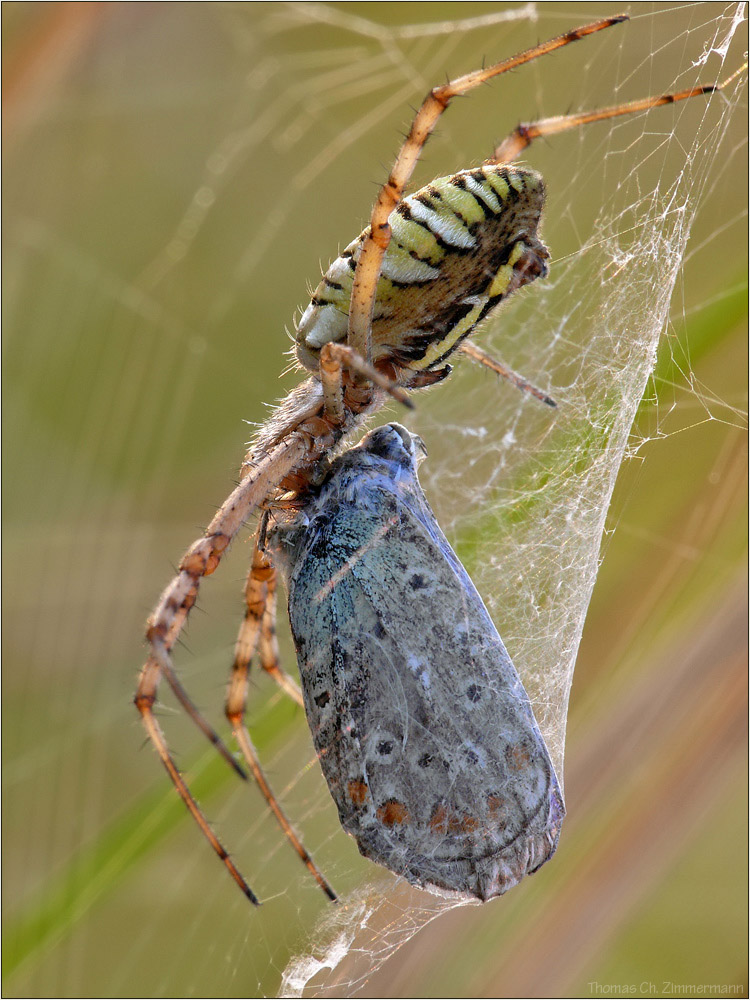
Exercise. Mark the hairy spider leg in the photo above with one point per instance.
(187, 703)
(334, 359)
(268, 645)
(203, 724)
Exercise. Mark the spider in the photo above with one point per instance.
(389, 312)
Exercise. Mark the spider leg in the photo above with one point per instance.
(187, 703)
(261, 572)
(268, 647)
(145, 697)
(204, 555)
(379, 234)
(166, 622)
(333, 357)
(205, 727)
(483, 358)
(524, 134)
(332, 383)
(258, 629)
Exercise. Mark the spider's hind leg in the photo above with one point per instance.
(257, 630)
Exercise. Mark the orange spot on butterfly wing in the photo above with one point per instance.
(392, 813)
(518, 757)
(358, 791)
(445, 820)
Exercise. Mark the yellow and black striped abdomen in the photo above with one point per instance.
(459, 246)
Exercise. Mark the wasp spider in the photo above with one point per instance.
(399, 301)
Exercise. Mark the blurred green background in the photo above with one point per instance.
(175, 177)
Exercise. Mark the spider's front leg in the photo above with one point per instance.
(524, 134)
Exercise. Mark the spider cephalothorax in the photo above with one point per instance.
(403, 297)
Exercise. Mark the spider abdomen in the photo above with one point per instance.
(459, 246)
